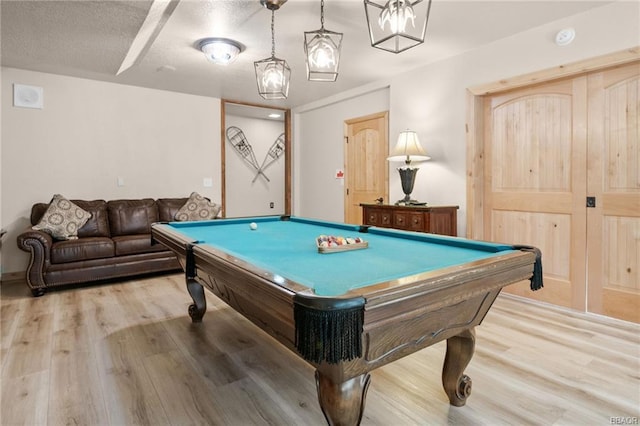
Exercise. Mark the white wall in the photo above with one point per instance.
(243, 195)
(90, 133)
(432, 101)
(319, 152)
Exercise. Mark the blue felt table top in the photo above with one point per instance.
(288, 248)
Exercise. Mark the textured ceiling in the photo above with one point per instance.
(151, 44)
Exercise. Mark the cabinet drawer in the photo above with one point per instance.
(401, 220)
(377, 218)
(385, 219)
(410, 221)
(372, 217)
(417, 222)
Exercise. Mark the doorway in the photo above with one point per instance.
(255, 145)
(366, 170)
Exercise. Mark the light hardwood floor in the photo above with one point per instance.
(128, 354)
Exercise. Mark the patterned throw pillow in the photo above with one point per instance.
(62, 219)
(197, 208)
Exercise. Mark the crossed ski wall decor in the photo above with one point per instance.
(237, 138)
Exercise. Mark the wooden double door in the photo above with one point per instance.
(562, 172)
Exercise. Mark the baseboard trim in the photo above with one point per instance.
(586, 315)
(9, 277)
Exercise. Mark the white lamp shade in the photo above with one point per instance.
(408, 148)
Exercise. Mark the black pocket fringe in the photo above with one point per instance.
(536, 278)
(328, 332)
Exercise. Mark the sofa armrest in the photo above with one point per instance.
(39, 244)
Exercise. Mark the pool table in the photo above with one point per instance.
(350, 311)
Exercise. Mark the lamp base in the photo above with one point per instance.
(408, 202)
(407, 178)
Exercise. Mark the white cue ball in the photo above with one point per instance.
(253, 226)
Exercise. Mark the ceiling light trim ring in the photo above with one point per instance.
(228, 49)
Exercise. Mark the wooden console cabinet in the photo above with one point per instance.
(436, 220)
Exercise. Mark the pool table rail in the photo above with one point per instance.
(401, 319)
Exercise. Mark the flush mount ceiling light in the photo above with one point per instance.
(220, 50)
(272, 74)
(322, 52)
(397, 25)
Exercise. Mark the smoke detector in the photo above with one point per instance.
(565, 37)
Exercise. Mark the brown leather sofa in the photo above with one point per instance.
(115, 242)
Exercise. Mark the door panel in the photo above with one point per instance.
(549, 232)
(614, 180)
(366, 169)
(525, 157)
(535, 187)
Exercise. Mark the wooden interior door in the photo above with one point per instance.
(366, 168)
(614, 182)
(535, 183)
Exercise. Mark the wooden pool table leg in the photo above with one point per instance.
(342, 403)
(195, 289)
(199, 305)
(460, 349)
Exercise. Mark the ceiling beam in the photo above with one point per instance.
(159, 13)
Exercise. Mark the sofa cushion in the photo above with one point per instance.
(132, 217)
(197, 207)
(62, 219)
(82, 249)
(98, 225)
(134, 244)
(168, 207)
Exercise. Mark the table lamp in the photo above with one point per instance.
(408, 149)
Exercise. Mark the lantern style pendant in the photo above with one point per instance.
(397, 25)
(322, 52)
(272, 74)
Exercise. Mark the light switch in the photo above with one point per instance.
(207, 182)
(120, 181)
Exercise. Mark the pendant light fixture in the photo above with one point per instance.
(273, 74)
(397, 25)
(322, 52)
